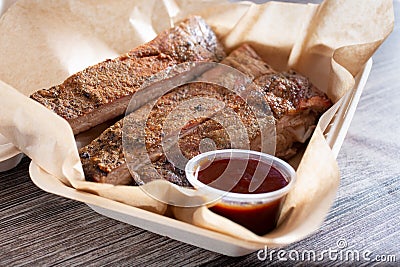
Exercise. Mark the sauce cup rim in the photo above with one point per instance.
(286, 170)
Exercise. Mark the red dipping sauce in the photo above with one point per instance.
(269, 177)
(260, 216)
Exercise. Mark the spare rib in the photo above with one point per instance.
(102, 92)
(103, 159)
(294, 101)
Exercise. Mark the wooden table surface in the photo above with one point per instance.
(38, 228)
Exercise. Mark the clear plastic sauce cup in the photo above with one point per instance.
(247, 187)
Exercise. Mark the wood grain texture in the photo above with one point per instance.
(37, 228)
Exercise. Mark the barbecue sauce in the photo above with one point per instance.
(260, 218)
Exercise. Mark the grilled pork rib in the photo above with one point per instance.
(103, 159)
(102, 92)
(295, 104)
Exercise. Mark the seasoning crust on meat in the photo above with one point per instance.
(103, 91)
(295, 103)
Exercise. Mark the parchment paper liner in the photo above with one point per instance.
(43, 42)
